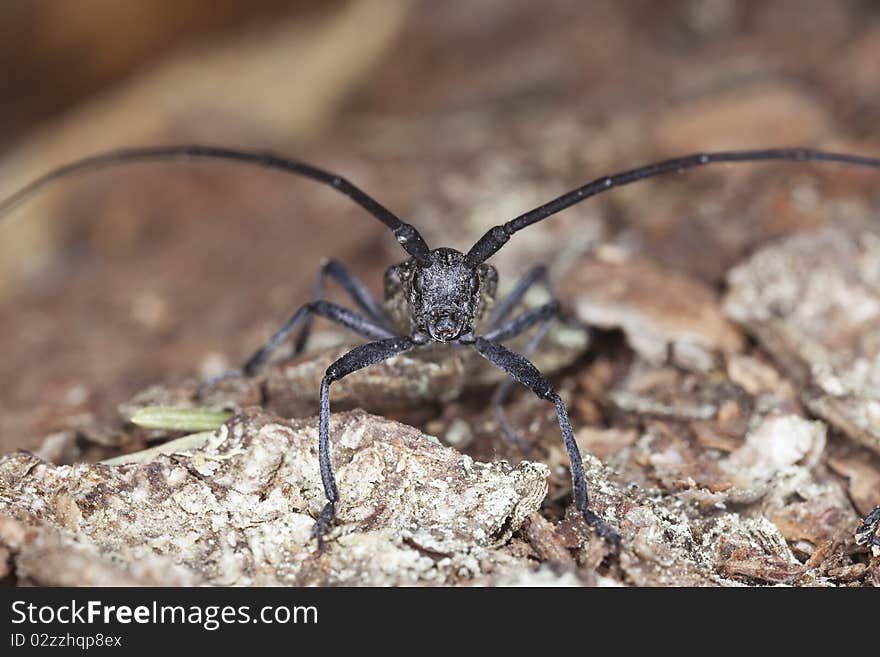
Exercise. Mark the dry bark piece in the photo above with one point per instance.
(668, 541)
(686, 418)
(739, 556)
(769, 388)
(542, 536)
(777, 443)
(605, 443)
(807, 510)
(435, 376)
(665, 315)
(813, 301)
(667, 392)
(863, 476)
(777, 503)
(41, 554)
(774, 474)
(240, 508)
(290, 388)
(426, 376)
(851, 573)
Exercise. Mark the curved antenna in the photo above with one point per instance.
(496, 237)
(407, 235)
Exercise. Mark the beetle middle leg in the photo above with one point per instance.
(335, 313)
(358, 292)
(534, 276)
(537, 275)
(502, 392)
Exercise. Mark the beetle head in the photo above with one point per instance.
(447, 296)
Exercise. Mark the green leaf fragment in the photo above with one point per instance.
(179, 419)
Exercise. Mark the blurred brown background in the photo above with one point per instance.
(456, 114)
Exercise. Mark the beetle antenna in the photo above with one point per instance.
(407, 235)
(497, 236)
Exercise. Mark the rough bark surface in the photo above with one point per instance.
(239, 510)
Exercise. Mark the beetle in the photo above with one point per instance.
(435, 296)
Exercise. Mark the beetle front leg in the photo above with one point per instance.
(356, 359)
(525, 372)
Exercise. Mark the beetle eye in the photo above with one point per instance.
(475, 284)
